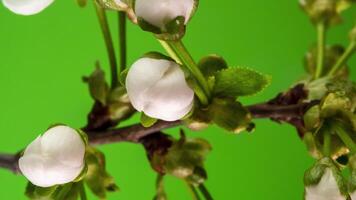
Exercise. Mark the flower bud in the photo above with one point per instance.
(324, 181)
(327, 188)
(56, 157)
(27, 7)
(158, 88)
(164, 16)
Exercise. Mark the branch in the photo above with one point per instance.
(136, 132)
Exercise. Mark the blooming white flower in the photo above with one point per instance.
(27, 7)
(326, 189)
(56, 157)
(160, 12)
(158, 88)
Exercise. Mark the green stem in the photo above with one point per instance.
(83, 195)
(320, 49)
(178, 52)
(343, 59)
(327, 143)
(345, 137)
(122, 39)
(193, 191)
(205, 192)
(108, 42)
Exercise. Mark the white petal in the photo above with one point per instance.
(58, 173)
(170, 98)
(32, 167)
(326, 189)
(143, 74)
(168, 115)
(27, 7)
(34, 147)
(64, 144)
(159, 12)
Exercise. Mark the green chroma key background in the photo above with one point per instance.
(43, 57)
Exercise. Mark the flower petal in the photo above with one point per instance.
(64, 144)
(160, 12)
(143, 74)
(34, 147)
(27, 7)
(32, 167)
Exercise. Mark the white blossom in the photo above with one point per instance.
(160, 12)
(326, 189)
(158, 88)
(27, 7)
(56, 157)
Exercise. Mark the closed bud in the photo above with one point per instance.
(167, 17)
(157, 87)
(27, 7)
(56, 157)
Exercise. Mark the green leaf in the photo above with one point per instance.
(147, 121)
(309, 141)
(235, 82)
(313, 175)
(98, 180)
(98, 87)
(122, 76)
(312, 118)
(211, 64)
(230, 115)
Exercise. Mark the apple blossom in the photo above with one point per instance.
(56, 157)
(27, 7)
(158, 88)
(160, 12)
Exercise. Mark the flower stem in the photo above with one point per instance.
(327, 143)
(193, 191)
(122, 39)
(108, 42)
(320, 49)
(205, 192)
(345, 137)
(178, 52)
(343, 59)
(82, 193)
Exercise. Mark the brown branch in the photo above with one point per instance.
(136, 132)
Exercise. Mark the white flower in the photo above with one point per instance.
(56, 157)
(353, 195)
(158, 88)
(160, 12)
(326, 189)
(27, 7)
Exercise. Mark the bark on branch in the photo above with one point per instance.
(136, 132)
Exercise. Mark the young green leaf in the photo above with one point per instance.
(147, 121)
(211, 64)
(98, 87)
(97, 178)
(235, 82)
(230, 115)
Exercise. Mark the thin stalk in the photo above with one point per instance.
(320, 49)
(345, 137)
(343, 59)
(122, 39)
(178, 52)
(205, 192)
(104, 25)
(193, 191)
(327, 144)
(83, 195)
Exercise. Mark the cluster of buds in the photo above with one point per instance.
(325, 11)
